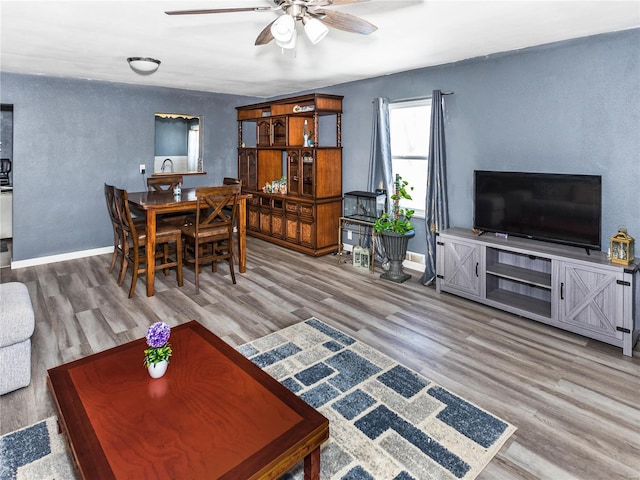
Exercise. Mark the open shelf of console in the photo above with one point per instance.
(519, 280)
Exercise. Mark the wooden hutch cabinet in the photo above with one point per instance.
(271, 145)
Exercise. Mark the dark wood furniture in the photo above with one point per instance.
(109, 191)
(118, 234)
(138, 252)
(214, 415)
(155, 203)
(270, 146)
(167, 183)
(209, 237)
(164, 183)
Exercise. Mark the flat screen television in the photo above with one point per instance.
(561, 208)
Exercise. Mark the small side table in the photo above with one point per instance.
(345, 221)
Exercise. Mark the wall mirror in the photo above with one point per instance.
(178, 143)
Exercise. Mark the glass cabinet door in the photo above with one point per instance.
(293, 172)
(248, 169)
(307, 172)
(264, 132)
(279, 129)
(272, 131)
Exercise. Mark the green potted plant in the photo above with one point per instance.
(395, 229)
(156, 357)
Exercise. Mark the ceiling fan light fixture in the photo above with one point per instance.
(284, 29)
(289, 45)
(315, 30)
(145, 65)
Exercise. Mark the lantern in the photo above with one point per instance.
(622, 247)
(365, 258)
(357, 255)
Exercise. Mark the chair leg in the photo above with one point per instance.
(179, 260)
(165, 257)
(233, 274)
(134, 276)
(124, 264)
(231, 254)
(197, 265)
(114, 257)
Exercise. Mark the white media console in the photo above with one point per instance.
(555, 284)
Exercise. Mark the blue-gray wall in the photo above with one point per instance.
(71, 136)
(570, 107)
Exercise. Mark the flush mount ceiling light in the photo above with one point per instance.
(145, 65)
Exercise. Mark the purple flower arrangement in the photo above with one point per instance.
(158, 341)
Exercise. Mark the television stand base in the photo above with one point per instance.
(554, 284)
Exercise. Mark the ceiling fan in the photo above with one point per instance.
(309, 12)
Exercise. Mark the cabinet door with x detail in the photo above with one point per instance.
(591, 300)
(459, 266)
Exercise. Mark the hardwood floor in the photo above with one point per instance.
(575, 402)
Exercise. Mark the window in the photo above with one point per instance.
(409, 126)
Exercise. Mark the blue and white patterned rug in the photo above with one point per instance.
(386, 421)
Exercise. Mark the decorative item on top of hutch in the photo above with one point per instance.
(622, 247)
(297, 142)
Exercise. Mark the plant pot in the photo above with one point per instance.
(395, 247)
(158, 370)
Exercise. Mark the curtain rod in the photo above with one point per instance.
(399, 100)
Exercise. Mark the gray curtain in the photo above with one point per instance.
(380, 168)
(437, 206)
(380, 171)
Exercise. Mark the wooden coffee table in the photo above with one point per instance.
(214, 415)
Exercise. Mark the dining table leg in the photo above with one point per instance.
(150, 251)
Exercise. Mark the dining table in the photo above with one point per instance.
(158, 203)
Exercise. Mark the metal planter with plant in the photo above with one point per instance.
(395, 229)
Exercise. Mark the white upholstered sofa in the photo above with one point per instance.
(16, 327)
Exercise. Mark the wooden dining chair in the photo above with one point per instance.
(116, 223)
(166, 183)
(109, 191)
(232, 181)
(134, 241)
(163, 183)
(210, 237)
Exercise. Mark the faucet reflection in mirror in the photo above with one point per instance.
(178, 143)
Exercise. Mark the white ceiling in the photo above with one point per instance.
(91, 39)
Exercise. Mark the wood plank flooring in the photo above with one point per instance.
(576, 402)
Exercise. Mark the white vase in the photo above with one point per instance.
(159, 369)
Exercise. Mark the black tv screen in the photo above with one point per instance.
(560, 208)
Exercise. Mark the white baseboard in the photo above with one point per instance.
(31, 262)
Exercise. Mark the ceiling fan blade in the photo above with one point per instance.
(346, 22)
(265, 35)
(224, 10)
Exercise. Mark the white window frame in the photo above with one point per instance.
(410, 157)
